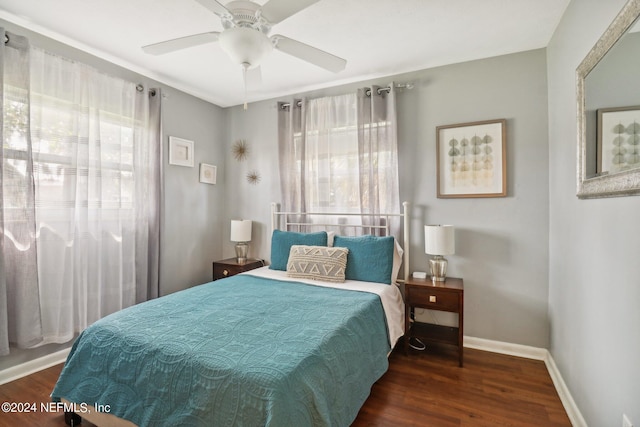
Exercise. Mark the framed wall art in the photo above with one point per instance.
(471, 159)
(618, 141)
(208, 173)
(180, 152)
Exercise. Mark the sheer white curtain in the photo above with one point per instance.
(378, 154)
(339, 154)
(291, 154)
(80, 196)
(19, 287)
(331, 154)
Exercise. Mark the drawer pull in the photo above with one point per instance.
(432, 298)
(225, 272)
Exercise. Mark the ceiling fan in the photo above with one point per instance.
(246, 39)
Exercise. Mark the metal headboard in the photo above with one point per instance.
(280, 218)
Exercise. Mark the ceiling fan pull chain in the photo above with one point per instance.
(244, 79)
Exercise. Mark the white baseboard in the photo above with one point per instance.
(565, 396)
(537, 354)
(506, 348)
(32, 366)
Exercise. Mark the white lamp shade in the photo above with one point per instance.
(439, 240)
(240, 230)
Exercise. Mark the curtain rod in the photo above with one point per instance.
(387, 89)
(140, 88)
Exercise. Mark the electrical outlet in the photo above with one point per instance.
(625, 421)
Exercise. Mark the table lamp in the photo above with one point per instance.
(241, 234)
(439, 240)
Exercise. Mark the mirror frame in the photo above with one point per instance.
(624, 183)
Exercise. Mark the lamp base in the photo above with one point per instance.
(242, 249)
(438, 268)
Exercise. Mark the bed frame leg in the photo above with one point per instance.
(72, 419)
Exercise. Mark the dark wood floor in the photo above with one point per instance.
(422, 389)
(429, 389)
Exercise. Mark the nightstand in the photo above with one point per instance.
(441, 296)
(230, 267)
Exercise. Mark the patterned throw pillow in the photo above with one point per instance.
(317, 262)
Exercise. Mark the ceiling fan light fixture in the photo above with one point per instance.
(245, 45)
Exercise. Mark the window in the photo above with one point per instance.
(339, 154)
(80, 195)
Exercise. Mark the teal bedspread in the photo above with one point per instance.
(242, 351)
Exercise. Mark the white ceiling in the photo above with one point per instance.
(376, 37)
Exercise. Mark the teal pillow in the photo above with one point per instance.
(281, 242)
(370, 258)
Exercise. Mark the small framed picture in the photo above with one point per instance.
(208, 173)
(471, 159)
(180, 152)
(618, 139)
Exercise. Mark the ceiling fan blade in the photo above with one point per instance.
(309, 53)
(180, 43)
(216, 8)
(275, 11)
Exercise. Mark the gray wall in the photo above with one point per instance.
(193, 212)
(501, 243)
(593, 276)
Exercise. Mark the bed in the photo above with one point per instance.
(267, 347)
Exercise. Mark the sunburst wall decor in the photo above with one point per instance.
(240, 150)
(253, 177)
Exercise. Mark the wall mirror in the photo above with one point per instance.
(608, 98)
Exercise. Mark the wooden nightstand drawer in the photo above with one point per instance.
(434, 298)
(230, 267)
(221, 271)
(447, 295)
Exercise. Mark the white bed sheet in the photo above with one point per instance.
(390, 296)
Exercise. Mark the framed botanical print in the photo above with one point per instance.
(471, 159)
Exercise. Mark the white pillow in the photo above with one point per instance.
(397, 261)
(330, 236)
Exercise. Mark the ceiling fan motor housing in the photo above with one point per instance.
(246, 14)
(245, 36)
